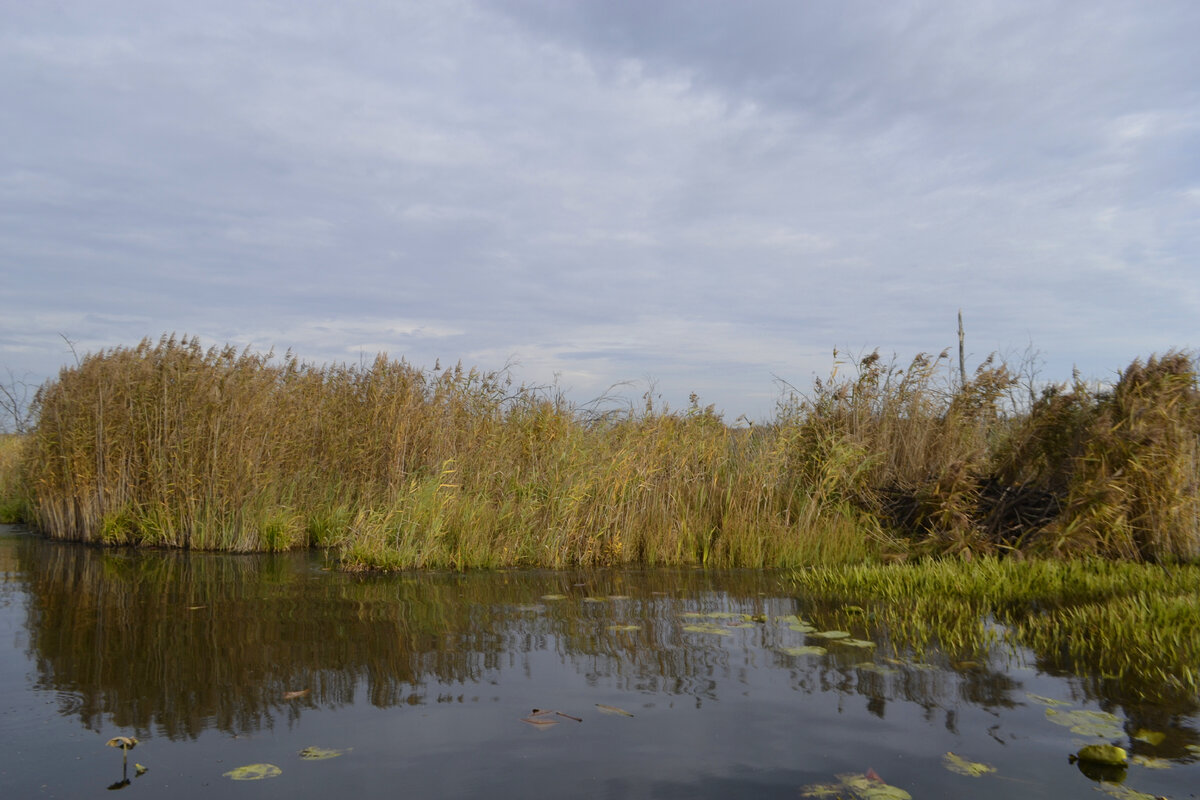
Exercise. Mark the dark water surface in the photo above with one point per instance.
(214, 662)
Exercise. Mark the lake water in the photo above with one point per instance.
(427, 684)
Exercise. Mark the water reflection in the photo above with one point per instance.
(174, 643)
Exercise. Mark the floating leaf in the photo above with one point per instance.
(139, 769)
(319, 753)
(959, 765)
(613, 710)
(1150, 737)
(1099, 724)
(879, 669)
(1107, 754)
(594, 600)
(791, 619)
(707, 627)
(539, 721)
(833, 635)
(295, 695)
(805, 650)
(1193, 748)
(547, 716)
(1122, 791)
(872, 787)
(822, 790)
(624, 627)
(1046, 701)
(554, 597)
(123, 742)
(1150, 762)
(254, 772)
(801, 628)
(863, 643)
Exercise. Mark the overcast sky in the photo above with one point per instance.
(703, 194)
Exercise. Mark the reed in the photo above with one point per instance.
(14, 502)
(392, 466)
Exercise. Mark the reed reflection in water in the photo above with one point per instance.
(171, 645)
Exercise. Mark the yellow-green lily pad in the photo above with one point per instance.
(707, 627)
(554, 597)
(1123, 792)
(959, 765)
(861, 643)
(594, 600)
(801, 628)
(254, 772)
(319, 753)
(1150, 737)
(1099, 724)
(805, 650)
(1107, 754)
(833, 634)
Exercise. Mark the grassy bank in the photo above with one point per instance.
(1130, 623)
(392, 466)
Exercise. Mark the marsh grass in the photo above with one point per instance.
(1133, 622)
(14, 503)
(392, 466)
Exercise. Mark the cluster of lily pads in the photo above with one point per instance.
(257, 772)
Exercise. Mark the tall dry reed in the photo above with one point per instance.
(394, 466)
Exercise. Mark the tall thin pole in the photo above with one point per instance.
(962, 358)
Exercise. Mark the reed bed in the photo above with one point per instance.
(13, 500)
(392, 466)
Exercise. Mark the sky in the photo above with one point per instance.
(672, 196)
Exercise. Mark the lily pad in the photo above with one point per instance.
(1046, 701)
(613, 710)
(624, 627)
(554, 597)
(1107, 754)
(878, 669)
(140, 769)
(1150, 762)
(1150, 737)
(833, 634)
(959, 765)
(801, 628)
(860, 786)
(707, 627)
(805, 650)
(861, 643)
(319, 753)
(1122, 791)
(594, 600)
(254, 772)
(1099, 724)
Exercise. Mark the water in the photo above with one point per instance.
(214, 662)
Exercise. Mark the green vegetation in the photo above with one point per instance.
(13, 502)
(1125, 621)
(392, 466)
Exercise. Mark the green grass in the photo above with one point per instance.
(1128, 622)
(391, 466)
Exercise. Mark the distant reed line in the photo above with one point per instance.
(392, 466)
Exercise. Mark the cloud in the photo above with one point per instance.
(707, 193)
